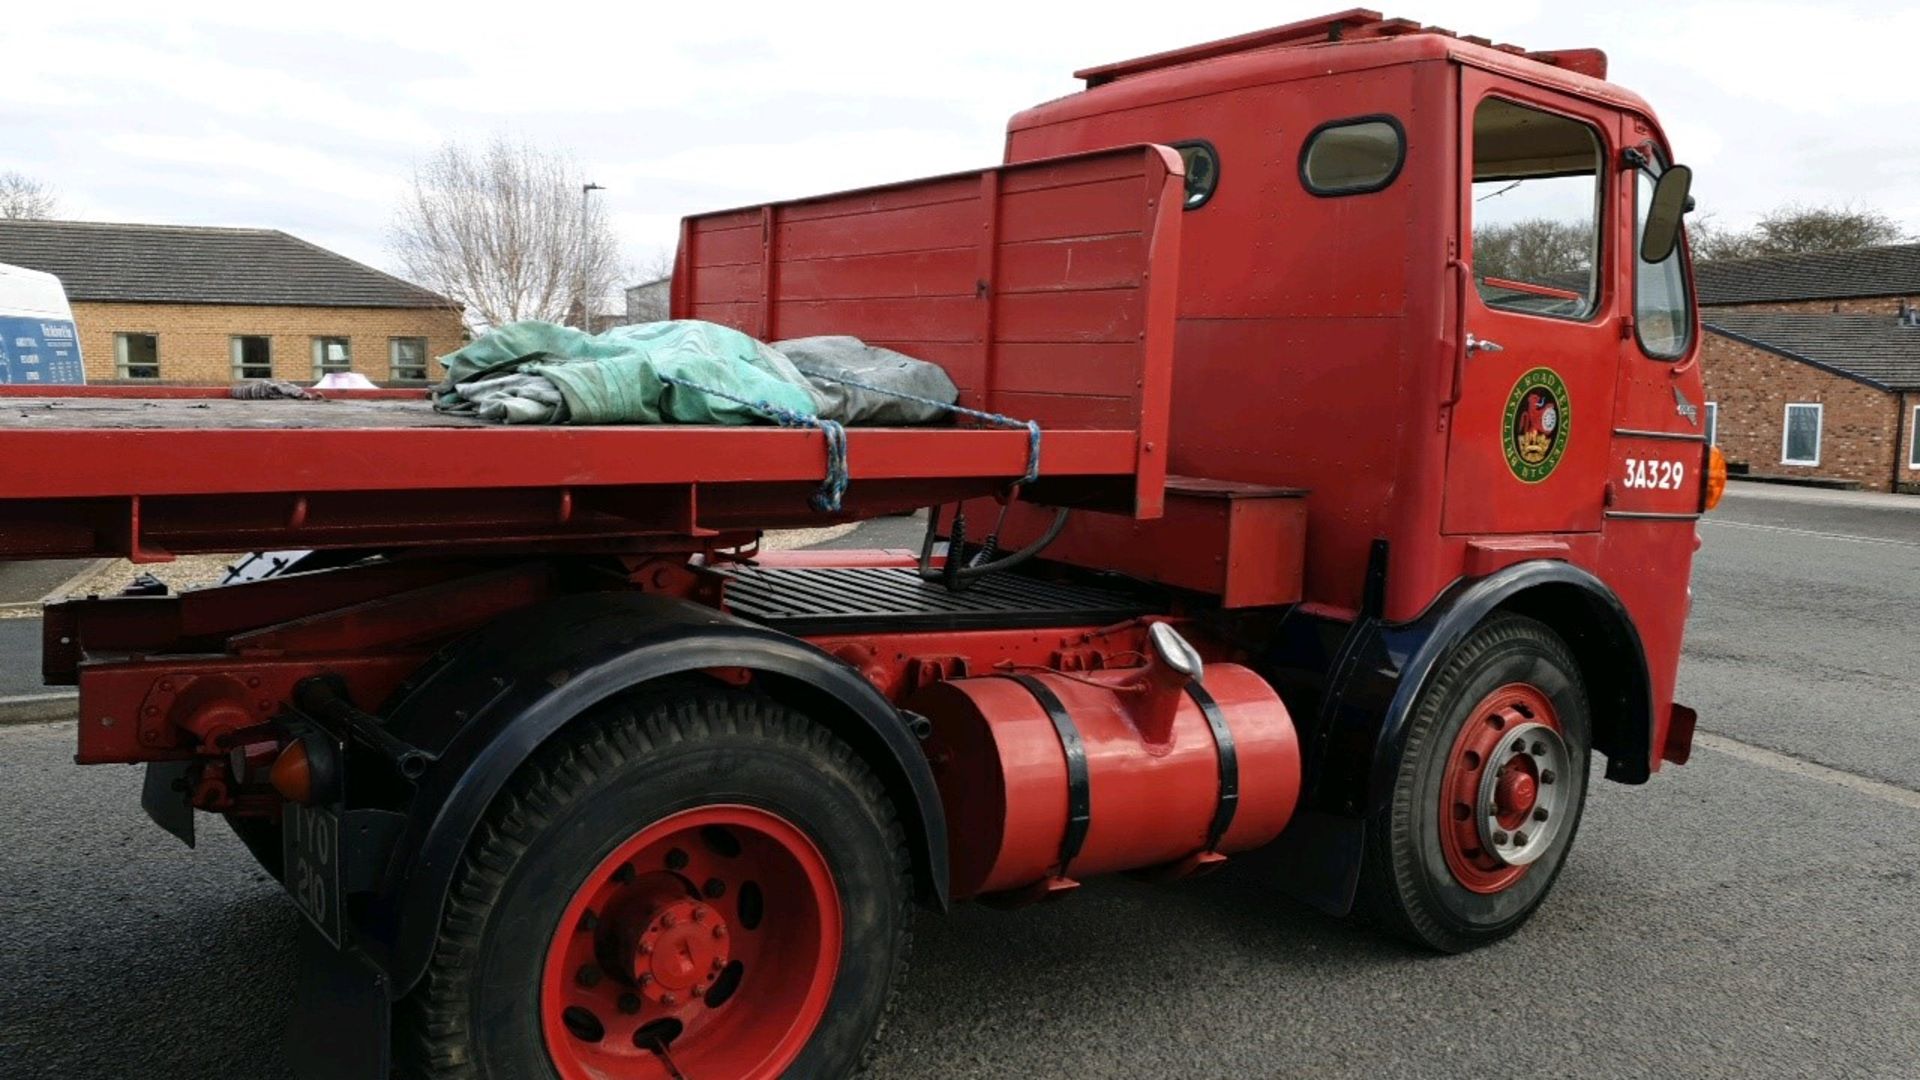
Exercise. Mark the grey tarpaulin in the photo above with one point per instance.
(843, 357)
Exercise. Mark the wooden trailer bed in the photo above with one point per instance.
(1046, 290)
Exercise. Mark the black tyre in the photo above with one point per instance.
(1488, 793)
(695, 881)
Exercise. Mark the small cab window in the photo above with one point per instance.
(1662, 309)
(1536, 210)
(1352, 157)
(1202, 164)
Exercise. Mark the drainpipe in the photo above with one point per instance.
(1902, 421)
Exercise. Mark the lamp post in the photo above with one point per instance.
(586, 249)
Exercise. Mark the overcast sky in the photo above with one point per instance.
(309, 119)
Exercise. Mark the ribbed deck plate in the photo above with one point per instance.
(824, 600)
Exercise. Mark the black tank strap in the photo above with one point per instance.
(1229, 764)
(1079, 786)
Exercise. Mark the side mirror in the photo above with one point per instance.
(1664, 211)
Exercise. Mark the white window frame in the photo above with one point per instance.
(1713, 423)
(121, 365)
(1913, 441)
(320, 369)
(393, 360)
(234, 354)
(1786, 427)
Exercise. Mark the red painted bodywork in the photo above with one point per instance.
(1241, 402)
(1154, 788)
(1321, 341)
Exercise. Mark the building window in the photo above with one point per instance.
(136, 356)
(407, 359)
(252, 356)
(1913, 441)
(1353, 157)
(1537, 186)
(331, 354)
(1713, 423)
(1800, 439)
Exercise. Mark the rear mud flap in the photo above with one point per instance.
(342, 1015)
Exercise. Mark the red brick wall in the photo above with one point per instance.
(1874, 305)
(1752, 387)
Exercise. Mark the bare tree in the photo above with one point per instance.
(1795, 229)
(1539, 250)
(22, 198)
(506, 231)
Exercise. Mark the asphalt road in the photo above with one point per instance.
(1750, 915)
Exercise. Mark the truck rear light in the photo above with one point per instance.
(1716, 477)
(303, 771)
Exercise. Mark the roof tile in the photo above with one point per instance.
(1874, 348)
(182, 264)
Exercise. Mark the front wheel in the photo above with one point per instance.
(700, 883)
(1488, 794)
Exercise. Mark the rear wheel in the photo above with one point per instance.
(699, 885)
(1488, 793)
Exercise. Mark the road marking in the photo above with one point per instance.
(1812, 532)
(1779, 762)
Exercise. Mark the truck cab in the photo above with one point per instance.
(1414, 283)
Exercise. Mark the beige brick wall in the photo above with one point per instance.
(195, 340)
(1859, 424)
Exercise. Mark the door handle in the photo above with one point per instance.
(1475, 345)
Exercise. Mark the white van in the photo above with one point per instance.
(38, 345)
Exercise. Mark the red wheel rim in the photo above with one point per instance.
(704, 946)
(1500, 798)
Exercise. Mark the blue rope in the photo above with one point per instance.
(827, 499)
(1032, 426)
(834, 486)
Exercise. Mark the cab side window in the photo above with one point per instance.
(1536, 210)
(1662, 307)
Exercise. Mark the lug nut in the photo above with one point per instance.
(1500, 838)
(676, 859)
(670, 999)
(646, 978)
(720, 930)
(1540, 814)
(1539, 749)
(645, 948)
(1520, 839)
(1546, 776)
(699, 914)
(667, 920)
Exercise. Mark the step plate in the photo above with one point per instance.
(842, 599)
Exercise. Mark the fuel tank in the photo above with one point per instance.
(1052, 776)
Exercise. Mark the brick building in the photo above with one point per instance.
(1812, 365)
(178, 304)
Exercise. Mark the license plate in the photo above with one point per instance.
(310, 864)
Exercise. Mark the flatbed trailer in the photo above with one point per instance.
(1249, 538)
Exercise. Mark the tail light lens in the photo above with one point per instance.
(1716, 477)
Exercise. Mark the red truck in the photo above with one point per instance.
(1295, 506)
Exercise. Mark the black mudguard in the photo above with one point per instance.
(487, 703)
(1352, 688)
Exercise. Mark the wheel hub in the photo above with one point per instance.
(680, 949)
(705, 945)
(1503, 796)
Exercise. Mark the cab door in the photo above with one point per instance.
(1540, 338)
